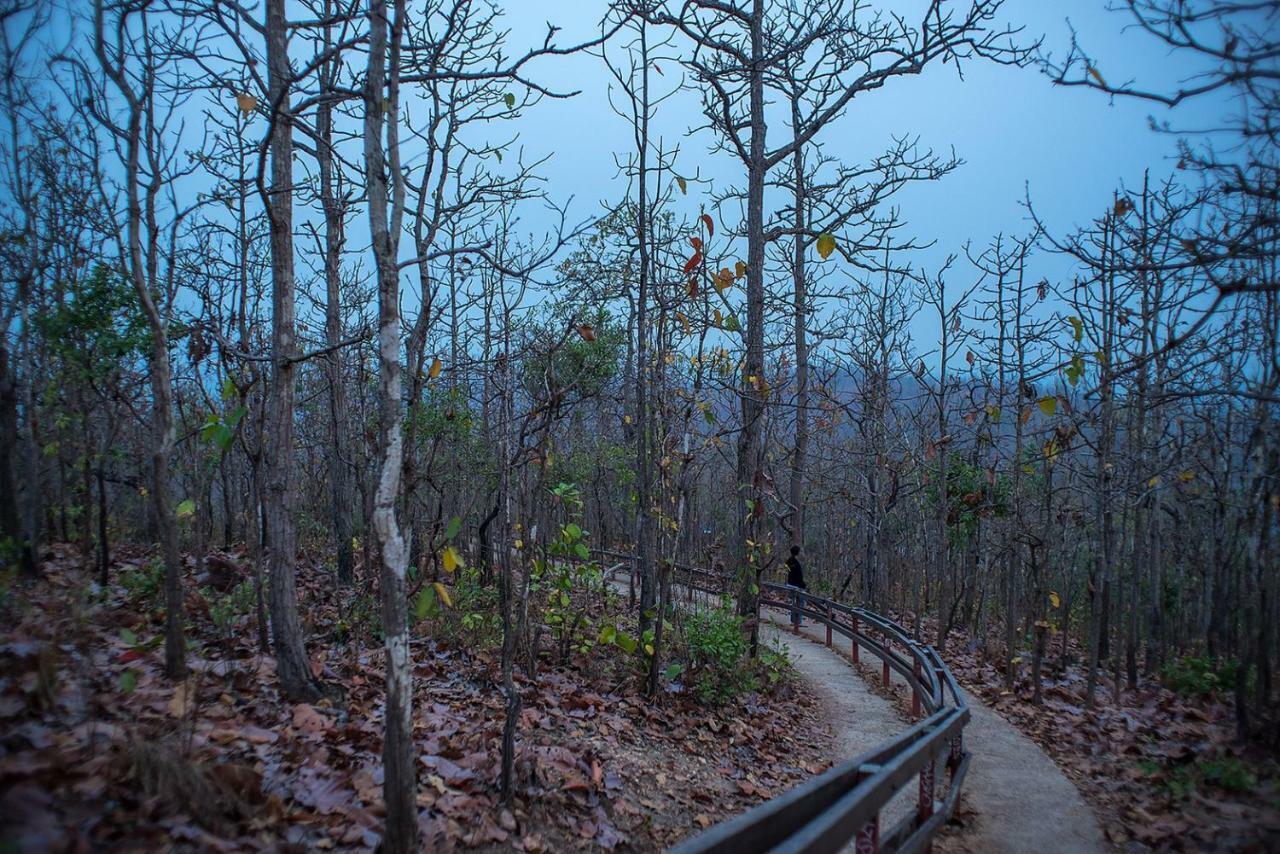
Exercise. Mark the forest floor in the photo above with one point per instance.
(1160, 770)
(98, 750)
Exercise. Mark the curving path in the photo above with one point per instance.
(1022, 800)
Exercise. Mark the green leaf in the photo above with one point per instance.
(826, 244)
(128, 681)
(673, 671)
(128, 637)
(510, 100)
(1048, 405)
(625, 642)
(425, 604)
(581, 550)
(453, 528)
(186, 508)
(228, 389)
(1077, 327)
(222, 436)
(731, 324)
(1075, 370)
(572, 531)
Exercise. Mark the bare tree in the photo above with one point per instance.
(734, 45)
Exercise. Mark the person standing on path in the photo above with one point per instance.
(795, 580)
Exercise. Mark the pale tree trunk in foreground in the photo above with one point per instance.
(399, 785)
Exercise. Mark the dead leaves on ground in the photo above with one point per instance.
(1138, 762)
(91, 758)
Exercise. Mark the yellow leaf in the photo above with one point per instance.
(519, 544)
(723, 279)
(626, 419)
(826, 244)
(451, 559)
(684, 321)
(1054, 599)
(1096, 75)
(435, 369)
(684, 185)
(1048, 405)
(1187, 476)
(1154, 482)
(443, 593)
(246, 102)
(739, 269)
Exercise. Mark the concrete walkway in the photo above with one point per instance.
(1019, 800)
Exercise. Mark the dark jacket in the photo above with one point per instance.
(795, 573)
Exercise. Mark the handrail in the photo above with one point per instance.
(845, 802)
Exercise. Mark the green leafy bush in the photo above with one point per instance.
(144, 583)
(717, 650)
(475, 620)
(1192, 676)
(1227, 773)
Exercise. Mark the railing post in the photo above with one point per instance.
(884, 671)
(957, 751)
(828, 624)
(915, 692)
(854, 640)
(924, 803)
(868, 841)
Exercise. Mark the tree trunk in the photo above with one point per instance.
(400, 781)
(748, 508)
(339, 466)
(292, 665)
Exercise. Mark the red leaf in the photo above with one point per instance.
(711, 226)
(692, 263)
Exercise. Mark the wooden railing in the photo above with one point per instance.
(846, 802)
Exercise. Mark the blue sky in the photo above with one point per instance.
(1018, 134)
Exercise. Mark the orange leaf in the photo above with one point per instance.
(692, 263)
(587, 333)
(711, 226)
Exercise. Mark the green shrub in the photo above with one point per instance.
(717, 650)
(474, 620)
(1227, 773)
(1184, 780)
(227, 611)
(144, 583)
(1192, 676)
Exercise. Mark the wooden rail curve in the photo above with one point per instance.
(844, 804)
